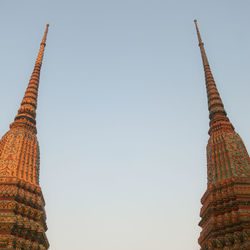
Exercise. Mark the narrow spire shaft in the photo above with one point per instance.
(27, 112)
(201, 44)
(215, 104)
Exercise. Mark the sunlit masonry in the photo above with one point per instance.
(225, 209)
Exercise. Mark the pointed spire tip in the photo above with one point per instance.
(26, 115)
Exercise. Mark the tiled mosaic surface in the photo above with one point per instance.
(22, 214)
(225, 212)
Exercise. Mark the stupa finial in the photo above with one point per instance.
(26, 116)
(215, 105)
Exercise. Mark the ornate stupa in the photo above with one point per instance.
(225, 212)
(22, 214)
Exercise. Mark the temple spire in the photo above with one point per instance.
(26, 116)
(225, 204)
(216, 109)
(23, 219)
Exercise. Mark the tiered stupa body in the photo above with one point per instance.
(225, 212)
(22, 215)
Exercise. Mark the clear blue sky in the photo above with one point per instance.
(122, 115)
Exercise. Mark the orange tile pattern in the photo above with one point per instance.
(225, 212)
(22, 214)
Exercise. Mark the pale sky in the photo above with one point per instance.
(122, 112)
